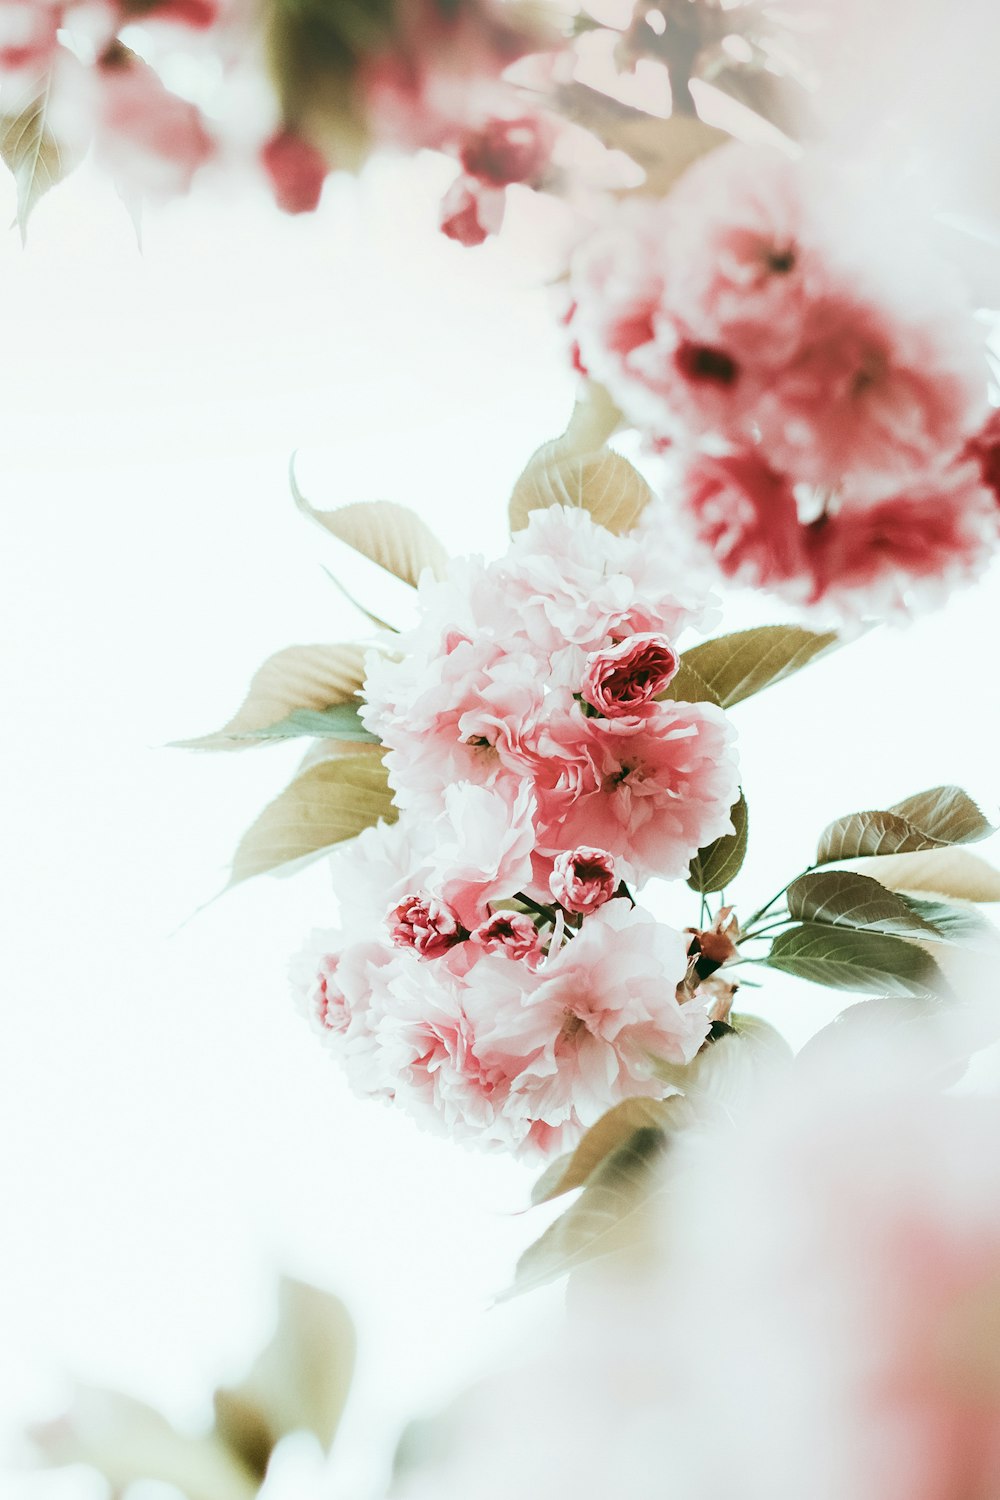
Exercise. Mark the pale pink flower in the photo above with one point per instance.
(296, 171)
(429, 926)
(621, 678)
(482, 847)
(507, 149)
(471, 212)
(151, 140)
(333, 983)
(666, 784)
(583, 879)
(512, 933)
(374, 872)
(587, 1034)
(28, 33)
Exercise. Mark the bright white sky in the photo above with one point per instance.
(172, 1135)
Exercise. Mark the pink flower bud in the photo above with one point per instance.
(429, 926)
(583, 879)
(470, 213)
(508, 932)
(621, 678)
(506, 151)
(297, 171)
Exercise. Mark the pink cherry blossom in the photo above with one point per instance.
(151, 140)
(28, 33)
(482, 847)
(666, 784)
(621, 678)
(583, 879)
(746, 515)
(512, 933)
(507, 149)
(296, 170)
(984, 447)
(429, 926)
(471, 212)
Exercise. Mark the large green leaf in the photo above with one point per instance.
(612, 1131)
(341, 721)
(610, 1216)
(934, 819)
(601, 482)
(843, 958)
(33, 154)
(300, 677)
(332, 801)
(299, 1383)
(737, 666)
(718, 864)
(393, 536)
(940, 872)
(687, 686)
(845, 898)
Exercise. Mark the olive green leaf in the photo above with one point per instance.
(33, 154)
(737, 666)
(300, 677)
(718, 864)
(930, 820)
(613, 1130)
(940, 872)
(393, 536)
(845, 898)
(332, 801)
(299, 1383)
(341, 721)
(844, 958)
(612, 1214)
(688, 686)
(601, 482)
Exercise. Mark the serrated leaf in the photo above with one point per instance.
(300, 1381)
(663, 147)
(610, 1215)
(341, 721)
(688, 686)
(611, 1131)
(843, 958)
(719, 863)
(727, 1074)
(127, 1441)
(332, 801)
(929, 820)
(393, 536)
(300, 677)
(601, 482)
(35, 157)
(737, 666)
(955, 924)
(843, 898)
(942, 872)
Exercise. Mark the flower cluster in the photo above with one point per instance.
(820, 397)
(493, 971)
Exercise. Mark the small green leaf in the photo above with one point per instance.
(718, 864)
(613, 1130)
(738, 666)
(610, 1216)
(393, 536)
(601, 482)
(341, 721)
(930, 820)
(846, 959)
(332, 801)
(37, 160)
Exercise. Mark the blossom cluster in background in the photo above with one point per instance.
(817, 383)
(493, 972)
(814, 1312)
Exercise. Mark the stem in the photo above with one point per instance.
(547, 912)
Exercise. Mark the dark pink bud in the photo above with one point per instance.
(985, 449)
(297, 172)
(583, 879)
(621, 678)
(508, 932)
(470, 213)
(428, 925)
(506, 151)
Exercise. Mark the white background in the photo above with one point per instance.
(171, 1134)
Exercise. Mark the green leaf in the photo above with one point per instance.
(299, 1383)
(610, 1216)
(930, 820)
(688, 686)
(718, 864)
(942, 872)
(601, 482)
(341, 721)
(737, 666)
(846, 959)
(300, 677)
(332, 801)
(37, 160)
(612, 1131)
(845, 898)
(393, 536)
